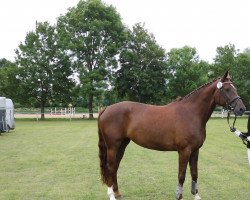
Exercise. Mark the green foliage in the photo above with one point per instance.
(142, 76)
(9, 84)
(92, 33)
(241, 77)
(43, 68)
(238, 64)
(186, 71)
(225, 60)
(247, 51)
(109, 97)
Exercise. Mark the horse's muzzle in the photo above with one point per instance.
(239, 111)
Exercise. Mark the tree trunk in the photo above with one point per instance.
(90, 105)
(42, 112)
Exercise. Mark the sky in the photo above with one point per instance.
(203, 24)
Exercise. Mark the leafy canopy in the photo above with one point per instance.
(141, 76)
(92, 33)
(43, 68)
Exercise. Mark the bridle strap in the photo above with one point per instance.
(226, 98)
(234, 99)
(232, 128)
(230, 108)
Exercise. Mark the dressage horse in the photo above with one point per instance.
(179, 126)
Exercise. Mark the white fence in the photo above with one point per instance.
(55, 116)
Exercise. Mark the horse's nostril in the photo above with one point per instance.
(242, 110)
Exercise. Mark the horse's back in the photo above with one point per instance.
(123, 112)
(120, 113)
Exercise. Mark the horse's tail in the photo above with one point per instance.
(102, 153)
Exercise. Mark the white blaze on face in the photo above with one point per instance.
(233, 86)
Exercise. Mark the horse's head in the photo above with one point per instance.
(228, 97)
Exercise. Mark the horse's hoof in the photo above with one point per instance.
(118, 196)
(181, 198)
(197, 197)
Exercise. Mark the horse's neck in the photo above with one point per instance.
(203, 103)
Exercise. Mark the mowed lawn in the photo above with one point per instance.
(59, 160)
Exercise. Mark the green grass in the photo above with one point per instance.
(59, 160)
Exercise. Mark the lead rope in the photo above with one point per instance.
(232, 128)
(243, 137)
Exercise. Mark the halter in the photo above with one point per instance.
(229, 102)
(230, 108)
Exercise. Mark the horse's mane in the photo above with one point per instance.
(196, 90)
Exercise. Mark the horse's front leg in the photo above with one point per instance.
(193, 163)
(184, 156)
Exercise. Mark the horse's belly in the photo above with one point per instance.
(155, 141)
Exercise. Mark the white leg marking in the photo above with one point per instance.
(111, 193)
(197, 197)
(179, 191)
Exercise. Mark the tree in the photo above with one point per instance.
(142, 75)
(247, 51)
(92, 33)
(224, 60)
(241, 77)
(8, 81)
(186, 71)
(238, 64)
(44, 69)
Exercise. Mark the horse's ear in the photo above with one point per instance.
(226, 76)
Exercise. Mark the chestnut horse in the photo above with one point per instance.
(179, 126)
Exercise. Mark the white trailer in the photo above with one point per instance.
(7, 120)
(10, 119)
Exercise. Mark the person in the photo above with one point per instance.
(247, 134)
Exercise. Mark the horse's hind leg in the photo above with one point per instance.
(111, 165)
(114, 156)
(119, 156)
